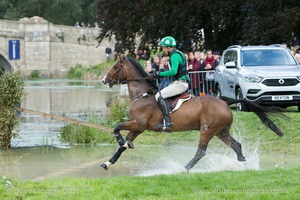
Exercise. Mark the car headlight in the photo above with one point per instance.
(253, 78)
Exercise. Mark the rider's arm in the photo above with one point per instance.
(175, 58)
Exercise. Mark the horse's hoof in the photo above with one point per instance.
(241, 159)
(130, 145)
(104, 166)
(187, 167)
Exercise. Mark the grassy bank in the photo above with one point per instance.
(271, 184)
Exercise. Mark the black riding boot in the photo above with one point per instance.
(167, 124)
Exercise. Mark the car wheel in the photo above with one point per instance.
(218, 92)
(240, 106)
(298, 108)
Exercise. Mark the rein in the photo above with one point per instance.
(112, 77)
(128, 80)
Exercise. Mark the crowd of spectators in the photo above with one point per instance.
(88, 25)
(205, 62)
(201, 67)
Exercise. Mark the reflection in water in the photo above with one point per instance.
(73, 99)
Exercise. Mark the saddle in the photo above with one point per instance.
(175, 102)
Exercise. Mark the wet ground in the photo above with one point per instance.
(38, 153)
(38, 163)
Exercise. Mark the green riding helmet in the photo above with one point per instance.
(168, 41)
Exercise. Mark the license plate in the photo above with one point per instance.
(282, 98)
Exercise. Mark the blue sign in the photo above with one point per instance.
(14, 49)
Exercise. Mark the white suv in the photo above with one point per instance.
(266, 75)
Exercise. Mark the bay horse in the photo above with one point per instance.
(208, 114)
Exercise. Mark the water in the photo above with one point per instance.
(38, 163)
(72, 99)
(38, 153)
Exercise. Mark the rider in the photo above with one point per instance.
(178, 73)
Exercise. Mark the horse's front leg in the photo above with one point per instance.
(124, 144)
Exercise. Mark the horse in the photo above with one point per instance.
(208, 114)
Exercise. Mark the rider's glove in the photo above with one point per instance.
(155, 75)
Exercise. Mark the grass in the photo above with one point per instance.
(250, 184)
(270, 184)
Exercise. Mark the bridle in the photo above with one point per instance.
(112, 78)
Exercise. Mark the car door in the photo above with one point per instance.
(230, 71)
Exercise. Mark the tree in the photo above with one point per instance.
(11, 92)
(65, 12)
(271, 21)
(223, 23)
(184, 20)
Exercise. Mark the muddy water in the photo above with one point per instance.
(38, 153)
(38, 163)
(72, 99)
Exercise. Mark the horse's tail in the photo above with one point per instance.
(264, 113)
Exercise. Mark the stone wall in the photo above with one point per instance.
(51, 49)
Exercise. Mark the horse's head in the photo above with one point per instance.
(116, 74)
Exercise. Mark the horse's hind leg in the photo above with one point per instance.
(231, 142)
(204, 139)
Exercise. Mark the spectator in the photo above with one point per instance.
(296, 54)
(139, 54)
(145, 54)
(196, 78)
(156, 62)
(82, 24)
(77, 24)
(197, 55)
(149, 68)
(210, 64)
(217, 57)
(164, 66)
(108, 53)
(202, 58)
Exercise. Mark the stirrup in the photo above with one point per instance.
(164, 126)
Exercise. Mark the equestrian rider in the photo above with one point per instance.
(178, 74)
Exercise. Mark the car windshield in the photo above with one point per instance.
(266, 57)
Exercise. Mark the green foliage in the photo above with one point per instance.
(75, 133)
(11, 92)
(35, 74)
(93, 72)
(223, 23)
(76, 72)
(118, 111)
(263, 19)
(65, 12)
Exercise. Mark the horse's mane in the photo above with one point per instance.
(139, 67)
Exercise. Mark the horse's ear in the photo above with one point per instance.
(121, 57)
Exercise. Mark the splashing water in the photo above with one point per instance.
(216, 159)
(213, 161)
